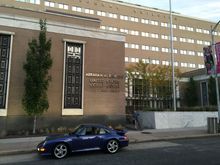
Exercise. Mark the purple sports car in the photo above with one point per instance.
(85, 137)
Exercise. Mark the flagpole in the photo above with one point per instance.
(172, 57)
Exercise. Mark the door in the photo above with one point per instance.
(86, 139)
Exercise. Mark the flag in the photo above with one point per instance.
(208, 59)
(217, 50)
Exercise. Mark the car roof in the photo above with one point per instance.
(95, 125)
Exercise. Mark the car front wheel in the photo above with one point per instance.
(112, 146)
(60, 151)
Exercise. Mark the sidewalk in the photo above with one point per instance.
(167, 134)
(28, 144)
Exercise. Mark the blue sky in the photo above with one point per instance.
(204, 9)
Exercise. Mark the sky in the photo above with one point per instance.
(204, 9)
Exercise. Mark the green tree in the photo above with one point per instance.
(212, 91)
(38, 63)
(151, 80)
(191, 97)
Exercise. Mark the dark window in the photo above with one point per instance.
(204, 94)
(88, 131)
(4, 60)
(73, 75)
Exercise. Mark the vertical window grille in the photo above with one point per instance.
(4, 61)
(73, 75)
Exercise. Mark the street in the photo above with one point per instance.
(202, 151)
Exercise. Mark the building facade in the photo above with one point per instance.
(146, 29)
(205, 88)
(87, 72)
(102, 36)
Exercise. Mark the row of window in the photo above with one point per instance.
(167, 63)
(57, 5)
(155, 35)
(107, 14)
(113, 15)
(165, 50)
(164, 24)
(188, 40)
(151, 48)
(109, 28)
(30, 1)
(129, 18)
(200, 42)
(122, 17)
(187, 52)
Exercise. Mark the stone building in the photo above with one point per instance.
(87, 73)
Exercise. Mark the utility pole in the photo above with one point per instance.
(216, 74)
(172, 57)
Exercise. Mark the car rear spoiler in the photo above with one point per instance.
(121, 132)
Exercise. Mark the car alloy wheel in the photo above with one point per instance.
(60, 151)
(112, 146)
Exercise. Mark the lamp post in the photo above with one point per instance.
(216, 74)
(172, 58)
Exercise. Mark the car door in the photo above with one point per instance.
(77, 143)
(86, 139)
(102, 137)
(90, 139)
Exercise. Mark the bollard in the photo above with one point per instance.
(212, 125)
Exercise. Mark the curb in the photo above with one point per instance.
(17, 152)
(174, 138)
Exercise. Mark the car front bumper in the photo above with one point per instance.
(42, 150)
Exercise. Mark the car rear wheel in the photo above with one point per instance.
(112, 146)
(60, 151)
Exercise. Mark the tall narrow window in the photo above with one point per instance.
(73, 76)
(4, 60)
(204, 93)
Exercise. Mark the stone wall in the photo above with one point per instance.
(167, 120)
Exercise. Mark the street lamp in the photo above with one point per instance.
(216, 74)
(172, 58)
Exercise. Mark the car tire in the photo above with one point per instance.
(112, 146)
(60, 151)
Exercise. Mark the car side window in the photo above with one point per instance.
(82, 131)
(89, 131)
(103, 131)
(92, 131)
(96, 130)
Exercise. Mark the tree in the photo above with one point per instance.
(191, 97)
(38, 63)
(150, 80)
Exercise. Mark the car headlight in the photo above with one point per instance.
(41, 149)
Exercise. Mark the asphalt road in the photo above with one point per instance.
(204, 151)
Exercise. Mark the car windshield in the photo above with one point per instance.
(77, 129)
